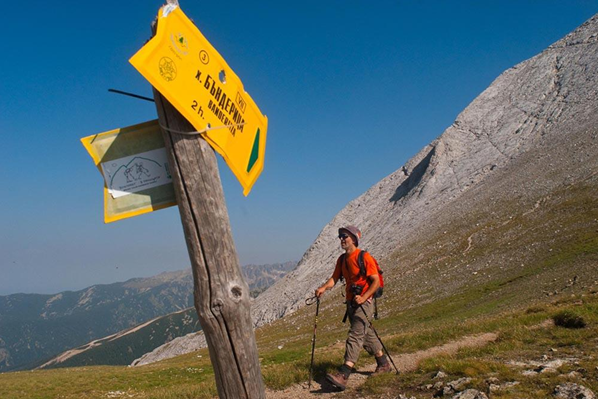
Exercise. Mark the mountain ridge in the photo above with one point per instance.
(520, 122)
(500, 124)
(37, 327)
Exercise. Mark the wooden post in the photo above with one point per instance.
(221, 294)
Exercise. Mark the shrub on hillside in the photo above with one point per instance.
(568, 319)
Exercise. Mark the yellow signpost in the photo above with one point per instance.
(186, 69)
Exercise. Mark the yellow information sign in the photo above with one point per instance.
(186, 69)
(133, 162)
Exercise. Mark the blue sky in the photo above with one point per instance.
(352, 90)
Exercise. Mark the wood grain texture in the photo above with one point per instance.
(221, 294)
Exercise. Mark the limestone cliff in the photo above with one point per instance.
(530, 132)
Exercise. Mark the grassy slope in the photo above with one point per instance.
(509, 255)
(505, 300)
(190, 376)
(123, 350)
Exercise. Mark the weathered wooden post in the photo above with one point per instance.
(221, 294)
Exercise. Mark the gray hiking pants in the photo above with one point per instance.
(360, 334)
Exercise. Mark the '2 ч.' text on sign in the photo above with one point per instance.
(186, 69)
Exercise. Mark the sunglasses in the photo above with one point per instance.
(343, 236)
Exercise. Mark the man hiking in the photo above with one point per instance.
(359, 292)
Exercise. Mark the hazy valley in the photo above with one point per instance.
(105, 318)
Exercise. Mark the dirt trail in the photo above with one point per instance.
(405, 362)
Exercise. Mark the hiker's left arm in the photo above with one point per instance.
(374, 280)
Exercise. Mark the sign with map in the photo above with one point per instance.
(135, 173)
(134, 164)
(188, 71)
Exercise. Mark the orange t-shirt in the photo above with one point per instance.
(349, 269)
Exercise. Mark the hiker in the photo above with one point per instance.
(359, 292)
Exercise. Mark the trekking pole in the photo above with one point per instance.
(379, 339)
(310, 301)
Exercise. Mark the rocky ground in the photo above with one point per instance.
(570, 384)
(404, 363)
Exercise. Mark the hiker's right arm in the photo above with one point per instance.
(329, 284)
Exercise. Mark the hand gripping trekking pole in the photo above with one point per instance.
(379, 339)
(310, 301)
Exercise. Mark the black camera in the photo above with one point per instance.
(356, 289)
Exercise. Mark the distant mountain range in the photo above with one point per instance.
(35, 328)
(260, 277)
(125, 346)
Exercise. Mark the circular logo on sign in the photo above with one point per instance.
(180, 43)
(204, 57)
(167, 69)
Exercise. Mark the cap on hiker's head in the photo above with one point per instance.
(354, 231)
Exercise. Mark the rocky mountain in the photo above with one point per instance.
(107, 324)
(518, 123)
(260, 277)
(34, 327)
(506, 198)
(125, 346)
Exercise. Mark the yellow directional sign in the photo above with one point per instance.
(184, 67)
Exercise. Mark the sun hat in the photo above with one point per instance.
(354, 231)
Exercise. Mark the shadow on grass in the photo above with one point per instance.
(320, 370)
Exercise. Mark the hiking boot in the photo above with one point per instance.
(382, 368)
(338, 380)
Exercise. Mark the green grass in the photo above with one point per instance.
(524, 274)
(194, 379)
(521, 339)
